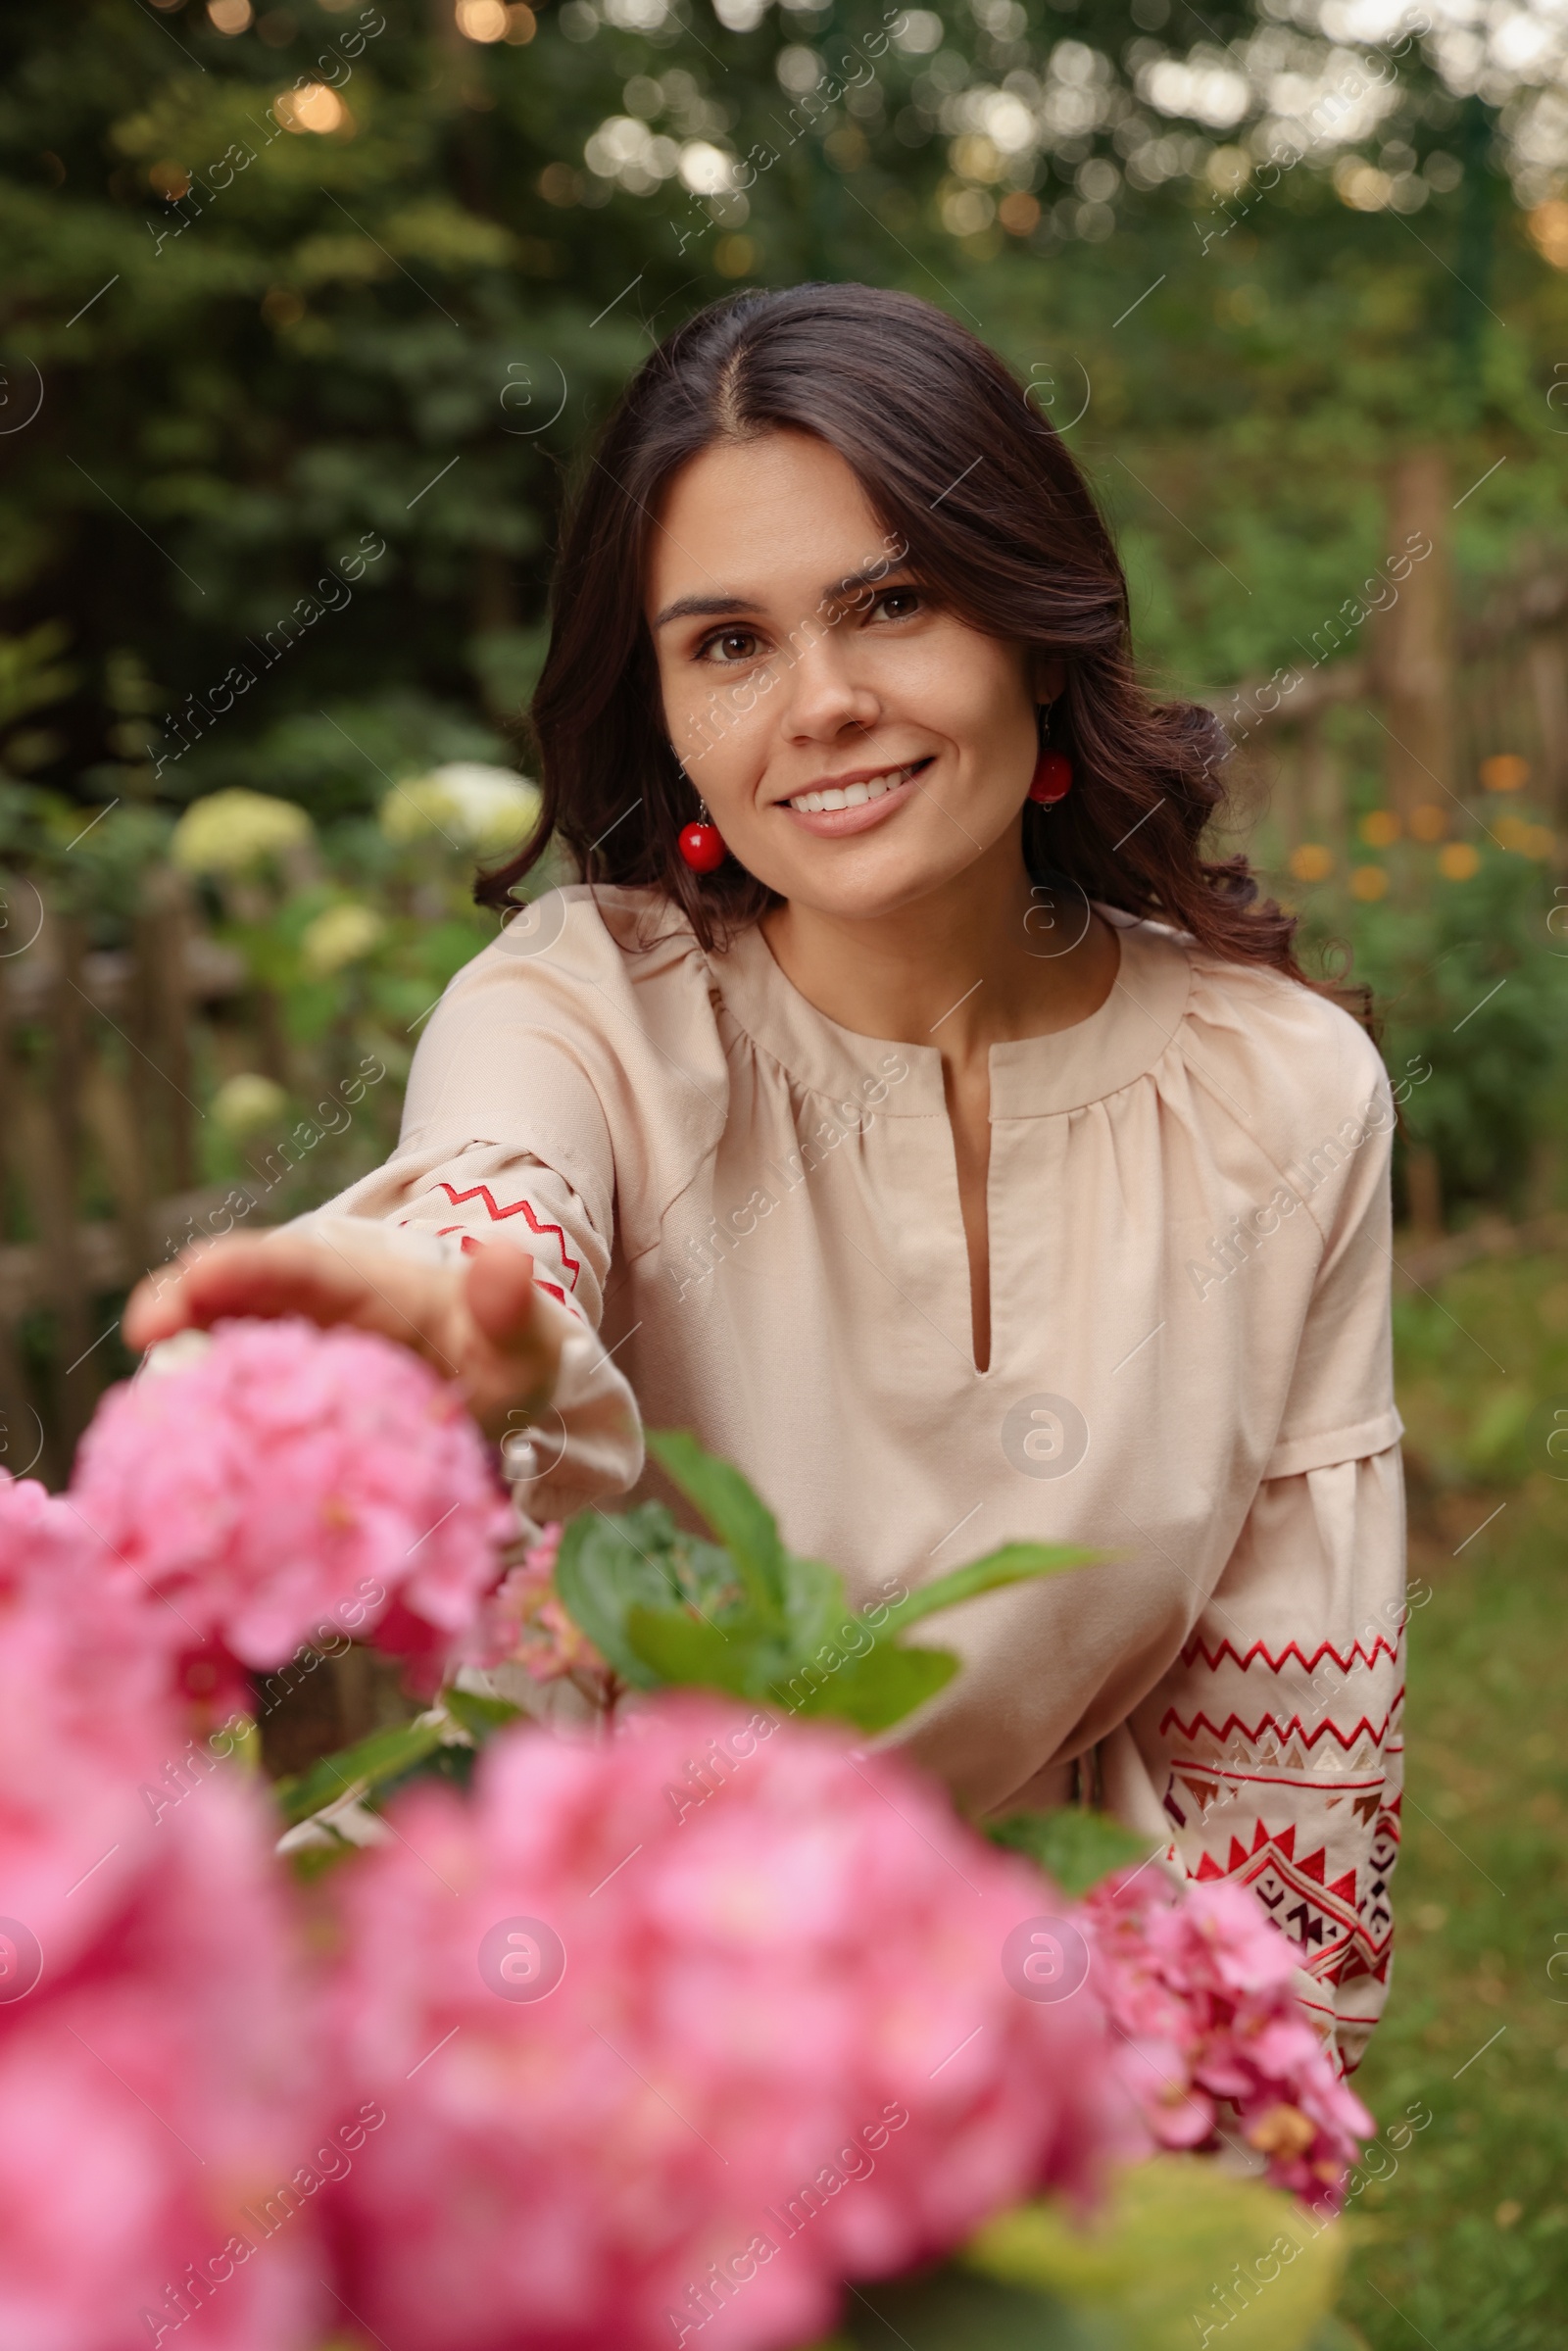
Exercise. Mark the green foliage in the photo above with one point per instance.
(751, 1618)
(1147, 2274)
(1074, 1847)
(1470, 983)
(376, 1766)
(370, 1762)
(262, 348)
(1470, 2250)
(609, 1565)
(1484, 1377)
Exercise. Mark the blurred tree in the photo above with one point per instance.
(307, 311)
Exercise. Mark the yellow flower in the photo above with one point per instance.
(248, 1100)
(1504, 771)
(341, 935)
(1525, 839)
(1429, 822)
(1368, 882)
(1458, 861)
(1311, 862)
(480, 810)
(1381, 829)
(229, 832)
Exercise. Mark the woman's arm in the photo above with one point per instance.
(422, 1251)
(1274, 1741)
(477, 1323)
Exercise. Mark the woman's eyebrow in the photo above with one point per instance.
(719, 606)
(705, 608)
(854, 583)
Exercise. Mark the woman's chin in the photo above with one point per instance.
(869, 888)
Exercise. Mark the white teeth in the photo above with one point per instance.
(851, 796)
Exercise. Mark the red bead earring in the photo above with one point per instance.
(1053, 776)
(1052, 779)
(702, 845)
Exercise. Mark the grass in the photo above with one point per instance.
(1465, 2243)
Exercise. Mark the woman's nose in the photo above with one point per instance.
(822, 694)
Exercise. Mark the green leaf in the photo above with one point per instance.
(949, 2309)
(609, 1566)
(480, 1716)
(787, 1634)
(706, 1574)
(735, 1511)
(1013, 1563)
(1075, 1847)
(685, 1651)
(816, 1608)
(384, 1755)
(872, 1691)
(1166, 2249)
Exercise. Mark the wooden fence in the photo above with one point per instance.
(109, 1060)
(98, 1151)
(1456, 713)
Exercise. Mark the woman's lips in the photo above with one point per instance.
(833, 824)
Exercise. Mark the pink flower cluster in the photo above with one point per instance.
(1198, 1983)
(86, 1715)
(670, 2033)
(526, 1625)
(152, 2087)
(288, 1481)
(680, 2031)
(155, 2058)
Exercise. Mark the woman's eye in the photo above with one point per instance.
(899, 604)
(730, 645)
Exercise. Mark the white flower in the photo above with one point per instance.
(229, 832)
(248, 1100)
(339, 935)
(477, 809)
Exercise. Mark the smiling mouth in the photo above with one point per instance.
(855, 795)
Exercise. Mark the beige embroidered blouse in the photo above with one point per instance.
(748, 1219)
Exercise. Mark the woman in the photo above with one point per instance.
(902, 1104)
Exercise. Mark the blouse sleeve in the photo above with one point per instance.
(447, 1200)
(1274, 1741)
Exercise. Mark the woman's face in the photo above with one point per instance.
(856, 744)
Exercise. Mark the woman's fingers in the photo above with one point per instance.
(344, 1279)
(281, 1275)
(476, 1324)
(516, 1355)
(500, 1291)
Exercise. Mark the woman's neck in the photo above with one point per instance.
(982, 961)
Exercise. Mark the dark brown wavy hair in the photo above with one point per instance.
(997, 519)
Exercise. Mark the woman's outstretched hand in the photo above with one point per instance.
(476, 1322)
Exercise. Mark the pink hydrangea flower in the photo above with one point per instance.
(677, 2031)
(154, 2085)
(87, 1719)
(289, 1482)
(1199, 1985)
(526, 1625)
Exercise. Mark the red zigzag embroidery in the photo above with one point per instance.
(519, 1208)
(1285, 1730)
(1214, 1659)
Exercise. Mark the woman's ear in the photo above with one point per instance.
(1047, 674)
